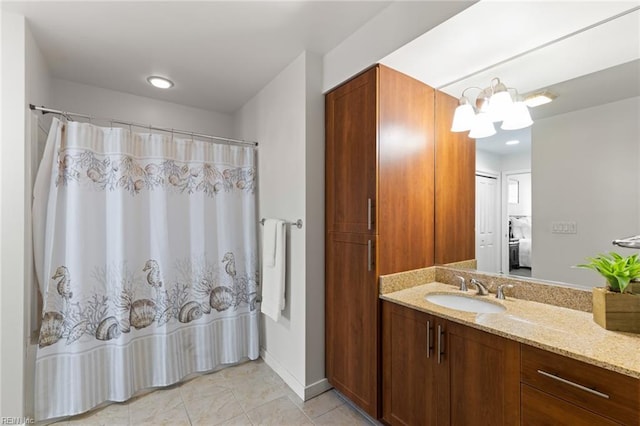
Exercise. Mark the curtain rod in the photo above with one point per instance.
(66, 114)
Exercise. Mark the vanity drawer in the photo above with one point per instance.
(541, 409)
(596, 389)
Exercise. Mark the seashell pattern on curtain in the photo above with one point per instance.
(146, 257)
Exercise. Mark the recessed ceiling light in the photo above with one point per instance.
(512, 142)
(160, 82)
(540, 98)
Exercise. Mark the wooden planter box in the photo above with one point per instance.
(616, 311)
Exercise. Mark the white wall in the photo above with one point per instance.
(38, 92)
(286, 118)
(517, 161)
(14, 204)
(315, 145)
(495, 163)
(390, 29)
(488, 162)
(584, 169)
(105, 103)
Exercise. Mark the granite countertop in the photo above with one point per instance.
(564, 331)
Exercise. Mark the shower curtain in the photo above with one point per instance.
(145, 249)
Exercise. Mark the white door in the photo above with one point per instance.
(487, 219)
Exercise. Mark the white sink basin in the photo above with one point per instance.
(463, 303)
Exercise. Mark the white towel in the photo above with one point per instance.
(273, 267)
(269, 242)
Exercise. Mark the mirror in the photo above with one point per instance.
(581, 189)
(571, 184)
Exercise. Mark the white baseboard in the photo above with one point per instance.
(304, 392)
(316, 388)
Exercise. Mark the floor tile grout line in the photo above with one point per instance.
(184, 404)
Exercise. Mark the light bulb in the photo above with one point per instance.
(160, 82)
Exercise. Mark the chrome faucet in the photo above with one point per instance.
(500, 292)
(463, 283)
(482, 289)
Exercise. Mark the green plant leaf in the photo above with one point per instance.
(618, 270)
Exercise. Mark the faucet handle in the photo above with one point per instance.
(463, 283)
(500, 291)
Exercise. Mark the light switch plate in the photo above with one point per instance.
(564, 227)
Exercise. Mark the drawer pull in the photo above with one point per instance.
(575, 385)
(429, 345)
(440, 344)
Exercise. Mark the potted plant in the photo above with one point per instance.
(617, 306)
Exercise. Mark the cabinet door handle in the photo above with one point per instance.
(575, 385)
(440, 343)
(369, 214)
(369, 256)
(429, 345)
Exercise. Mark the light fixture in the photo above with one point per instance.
(482, 126)
(160, 82)
(512, 142)
(492, 104)
(540, 98)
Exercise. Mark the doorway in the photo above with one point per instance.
(517, 218)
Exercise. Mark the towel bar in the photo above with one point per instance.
(297, 223)
(629, 242)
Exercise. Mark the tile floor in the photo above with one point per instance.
(246, 394)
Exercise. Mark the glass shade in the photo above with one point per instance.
(500, 105)
(518, 118)
(482, 127)
(463, 118)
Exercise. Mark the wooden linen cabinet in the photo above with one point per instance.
(379, 214)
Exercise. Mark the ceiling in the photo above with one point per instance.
(528, 44)
(218, 53)
(221, 53)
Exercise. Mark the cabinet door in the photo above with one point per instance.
(352, 318)
(408, 385)
(351, 139)
(484, 385)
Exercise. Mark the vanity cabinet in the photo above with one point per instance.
(437, 372)
(410, 392)
(561, 390)
(379, 214)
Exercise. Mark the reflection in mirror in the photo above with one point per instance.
(582, 152)
(576, 173)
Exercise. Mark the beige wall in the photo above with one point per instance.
(584, 169)
(286, 118)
